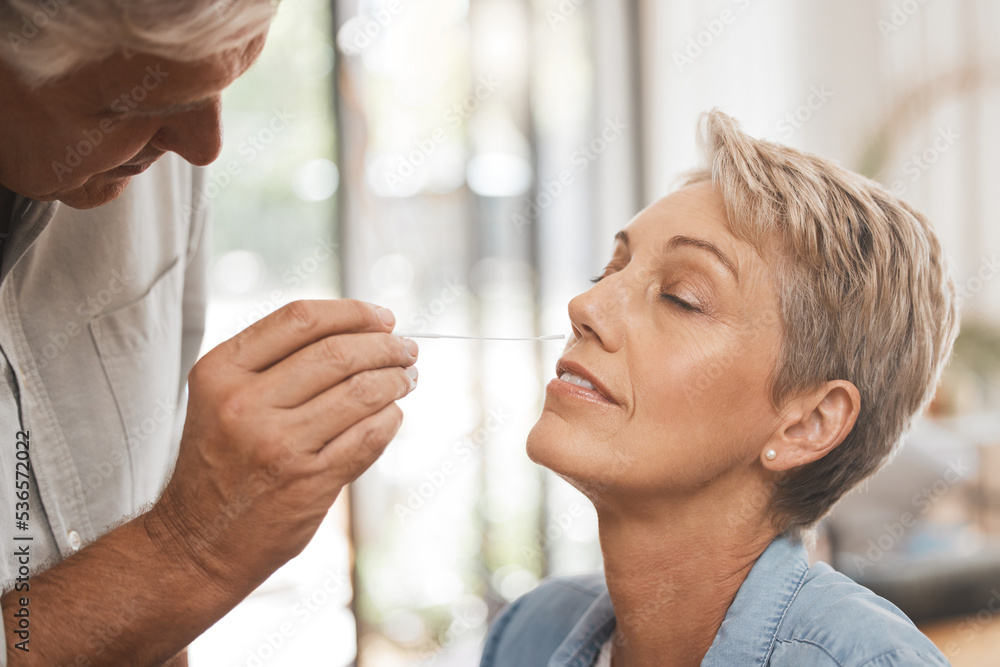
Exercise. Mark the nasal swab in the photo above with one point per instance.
(434, 335)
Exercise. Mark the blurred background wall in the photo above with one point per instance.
(467, 162)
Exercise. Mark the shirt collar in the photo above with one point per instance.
(750, 627)
(29, 219)
(748, 631)
(585, 640)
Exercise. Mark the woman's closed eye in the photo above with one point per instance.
(680, 302)
(666, 296)
(608, 270)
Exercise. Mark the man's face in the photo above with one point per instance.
(80, 139)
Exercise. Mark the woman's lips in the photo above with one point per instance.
(563, 388)
(572, 379)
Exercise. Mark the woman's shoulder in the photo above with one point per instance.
(832, 615)
(541, 621)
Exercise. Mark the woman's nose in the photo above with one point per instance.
(598, 312)
(195, 135)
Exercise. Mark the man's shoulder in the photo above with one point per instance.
(836, 617)
(538, 622)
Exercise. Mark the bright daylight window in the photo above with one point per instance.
(450, 113)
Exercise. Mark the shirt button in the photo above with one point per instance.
(74, 540)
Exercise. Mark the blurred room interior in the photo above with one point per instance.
(467, 163)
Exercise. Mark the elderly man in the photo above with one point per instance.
(104, 560)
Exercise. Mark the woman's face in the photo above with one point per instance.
(678, 338)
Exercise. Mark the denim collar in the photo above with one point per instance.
(748, 631)
(585, 640)
(750, 627)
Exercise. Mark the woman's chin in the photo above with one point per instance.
(542, 439)
(552, 444)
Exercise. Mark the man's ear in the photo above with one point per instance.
(811, 425)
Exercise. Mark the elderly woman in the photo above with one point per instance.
(755, 348)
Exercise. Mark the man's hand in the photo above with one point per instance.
(279, 419)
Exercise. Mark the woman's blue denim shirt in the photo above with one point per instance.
(785, 614)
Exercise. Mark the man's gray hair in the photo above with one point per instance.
(43, 40)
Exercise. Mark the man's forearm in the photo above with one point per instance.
(132, 597)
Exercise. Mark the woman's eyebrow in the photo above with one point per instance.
(681, 240)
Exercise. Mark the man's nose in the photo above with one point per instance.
(195, 135)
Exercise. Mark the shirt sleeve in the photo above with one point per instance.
(495, 635)
(907, 657)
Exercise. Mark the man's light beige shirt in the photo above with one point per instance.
(101, 318)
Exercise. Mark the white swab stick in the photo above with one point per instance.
(434, 335)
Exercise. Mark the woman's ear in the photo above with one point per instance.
(811, 425)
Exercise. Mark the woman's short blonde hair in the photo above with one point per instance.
(865, 291)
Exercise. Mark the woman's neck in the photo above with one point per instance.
(673, 571)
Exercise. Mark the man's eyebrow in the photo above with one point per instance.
(623, 237)
(681, 240)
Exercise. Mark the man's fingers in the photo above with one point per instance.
(339, 408)
(329, 361)
(353, 451)
(300, 323)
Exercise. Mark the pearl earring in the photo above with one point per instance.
(770, 455)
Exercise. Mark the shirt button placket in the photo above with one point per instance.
(74, 540)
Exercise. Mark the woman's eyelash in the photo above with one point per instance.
(665, 295)
(607, 271)
(680, 302)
